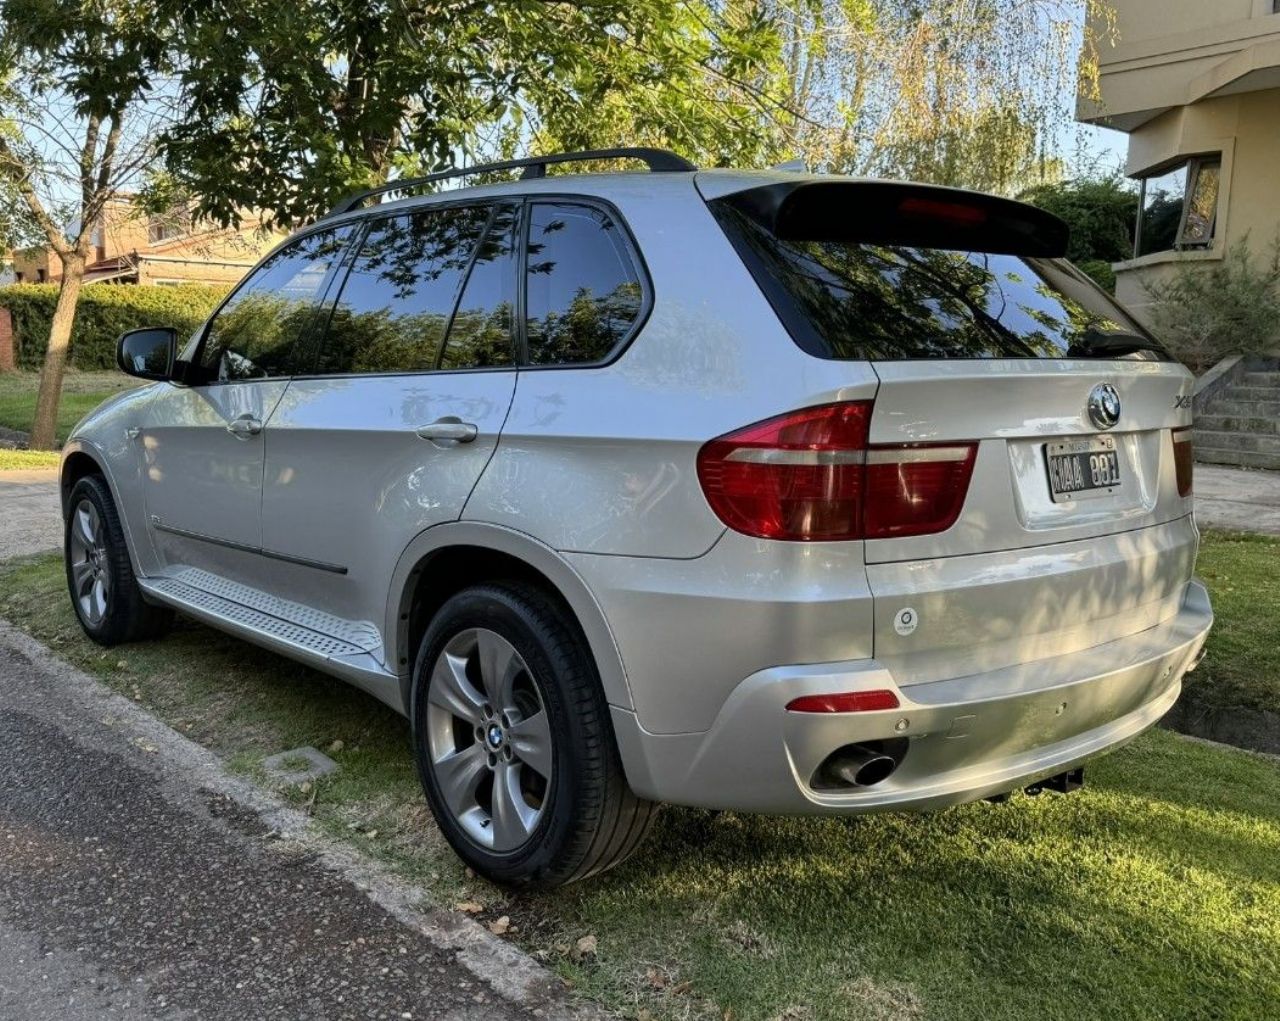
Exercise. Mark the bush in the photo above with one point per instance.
(1101, 214)
(1209, 310)
(105, 311)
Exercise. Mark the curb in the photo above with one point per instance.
(508, 971)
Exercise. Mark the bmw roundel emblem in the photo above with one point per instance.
(1104, 406)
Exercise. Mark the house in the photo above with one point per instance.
(1196, 85)
(133, 247)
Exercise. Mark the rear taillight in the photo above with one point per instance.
(811, 476)
(1183, 459)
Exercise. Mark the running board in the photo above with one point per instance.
(347, 654)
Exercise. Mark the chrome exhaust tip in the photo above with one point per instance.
(858, 766)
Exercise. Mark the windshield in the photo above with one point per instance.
(861, 301)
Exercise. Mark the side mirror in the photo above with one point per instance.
(148, 354)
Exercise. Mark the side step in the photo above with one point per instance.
(343, 649)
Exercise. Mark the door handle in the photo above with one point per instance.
(449, 428)
(244, 427)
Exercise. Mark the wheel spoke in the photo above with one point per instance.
(81, 576)
(95, 525)
(452, 691)
(513, 819)
(531, 742)
(98, 600)
(83, 528)
(459, 775)
(499, 666)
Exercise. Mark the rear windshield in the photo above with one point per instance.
(853, 300)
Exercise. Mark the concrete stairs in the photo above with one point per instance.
(1239, 422)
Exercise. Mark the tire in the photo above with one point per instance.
(506, 698)
(104, 592)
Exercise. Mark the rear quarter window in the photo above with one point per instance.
(855, 300)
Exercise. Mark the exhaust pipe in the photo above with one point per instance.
(859, 766)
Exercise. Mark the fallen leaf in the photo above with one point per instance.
(681, 988)
(657, 978)
(335, 746)
(471, 907)
(500, 925)
(585, 947)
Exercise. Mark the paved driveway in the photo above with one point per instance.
(30, 518)
(1243, 501)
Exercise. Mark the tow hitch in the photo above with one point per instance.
(1063, 783)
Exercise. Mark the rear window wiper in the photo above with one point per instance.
(1094, 342)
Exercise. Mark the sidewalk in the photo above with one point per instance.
(1236, 499)
(30, 518)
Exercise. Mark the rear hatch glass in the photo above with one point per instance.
(944, 280)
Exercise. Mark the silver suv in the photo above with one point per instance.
(756, 491)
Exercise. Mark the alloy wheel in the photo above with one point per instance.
(90, 564)
(489, 738)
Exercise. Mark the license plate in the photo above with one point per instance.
(1082, 469)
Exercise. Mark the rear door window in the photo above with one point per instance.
(854, 300)
(481, 333)
(584, 293)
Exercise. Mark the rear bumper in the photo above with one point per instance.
(970, 737)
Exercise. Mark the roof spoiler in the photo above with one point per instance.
(896, 213)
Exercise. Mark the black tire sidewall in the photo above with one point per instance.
(116, 623)
(552, 654)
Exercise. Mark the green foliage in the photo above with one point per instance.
(1210, 309)
(289, 107)
(1101, 214)
(105, 312)
(1101, 272)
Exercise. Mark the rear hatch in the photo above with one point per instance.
(1064, 420)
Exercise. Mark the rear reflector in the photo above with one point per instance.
(845, 702)
(1183, 459)
(811, 476)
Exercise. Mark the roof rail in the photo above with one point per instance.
(657, 160)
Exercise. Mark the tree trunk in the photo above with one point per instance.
(44, 429)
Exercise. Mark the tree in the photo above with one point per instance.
(289, 107)
(73, 133)
(961, 92)
(1102, 214)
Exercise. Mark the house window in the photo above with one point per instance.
(41, 276)
(175, 223)
(1179, 207)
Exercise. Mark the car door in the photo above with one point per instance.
(391, 432)
(203, 444)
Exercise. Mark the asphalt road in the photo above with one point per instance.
(131, 886)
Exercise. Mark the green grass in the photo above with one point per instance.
(81, 393)
(1242, 664)
(1154, 893)
(17, 460)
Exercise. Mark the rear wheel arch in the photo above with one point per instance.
(448, 558)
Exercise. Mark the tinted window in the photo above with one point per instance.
(394, 307)
(584, 292)
(855, 300)
(481, 331)
(256, 333)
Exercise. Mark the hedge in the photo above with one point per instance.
(105, 311)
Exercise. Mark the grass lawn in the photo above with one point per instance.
(81, 393)
(1242, 667)
(17, 460)
(1153, 893)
